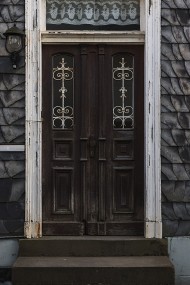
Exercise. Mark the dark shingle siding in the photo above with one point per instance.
(175, 117)
(175, 120)
(12, 126)
(12, 193)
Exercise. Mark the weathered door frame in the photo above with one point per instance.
(35, 36)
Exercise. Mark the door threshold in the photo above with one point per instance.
(87, 237)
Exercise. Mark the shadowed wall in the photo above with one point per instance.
(12, 129)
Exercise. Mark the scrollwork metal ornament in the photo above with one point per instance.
(63, 114)
(123, 113)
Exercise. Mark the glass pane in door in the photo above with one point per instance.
(62, 91)
(123, 91)
(93, 14)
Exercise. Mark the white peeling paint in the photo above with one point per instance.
(33, 202)
(153, 226)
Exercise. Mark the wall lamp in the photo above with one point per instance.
(14, 43)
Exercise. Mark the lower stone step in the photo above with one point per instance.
(147, 270)
(93, 246)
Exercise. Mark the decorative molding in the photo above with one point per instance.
(93, 37)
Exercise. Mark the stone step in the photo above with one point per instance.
(147, 270)
(93, 246)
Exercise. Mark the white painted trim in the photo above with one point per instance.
(153, 225)
(92, 37)
(12, 148)
(33, 202)
(142, 15)
(35, 27)
(43, 17)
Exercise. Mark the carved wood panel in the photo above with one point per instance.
(93, 168)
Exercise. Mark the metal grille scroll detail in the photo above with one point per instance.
(123, 99)
(63, 75)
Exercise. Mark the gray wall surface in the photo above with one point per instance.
(175, 117)
(8, 254)
(12, 132)
(12, 129)
(175, 120)
(179, 252)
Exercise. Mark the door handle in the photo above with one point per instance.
(92, 146)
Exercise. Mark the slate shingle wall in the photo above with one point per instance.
(175, 117)
(175, 120)
(12, 125)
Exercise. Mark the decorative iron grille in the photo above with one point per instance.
(123, 92)
(63, 91)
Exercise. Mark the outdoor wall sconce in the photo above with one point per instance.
(14, 43)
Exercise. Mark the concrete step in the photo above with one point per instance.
(146, 270)
(93, 246)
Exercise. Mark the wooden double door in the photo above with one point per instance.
(93, 140)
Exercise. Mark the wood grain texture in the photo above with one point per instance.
(102, 163)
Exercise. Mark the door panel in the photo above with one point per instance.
(93, 157)
(125, 164)
(61, 148)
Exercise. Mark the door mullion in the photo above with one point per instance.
(84, 110)
(101, 133)
(92, 82)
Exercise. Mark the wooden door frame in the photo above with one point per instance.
(35, 36)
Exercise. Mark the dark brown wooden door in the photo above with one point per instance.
(93, 140)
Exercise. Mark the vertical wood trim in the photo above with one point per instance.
(42, 18)
(33, 205)
(142, 15)
(153, 223)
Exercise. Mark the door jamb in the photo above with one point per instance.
(35, 24)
